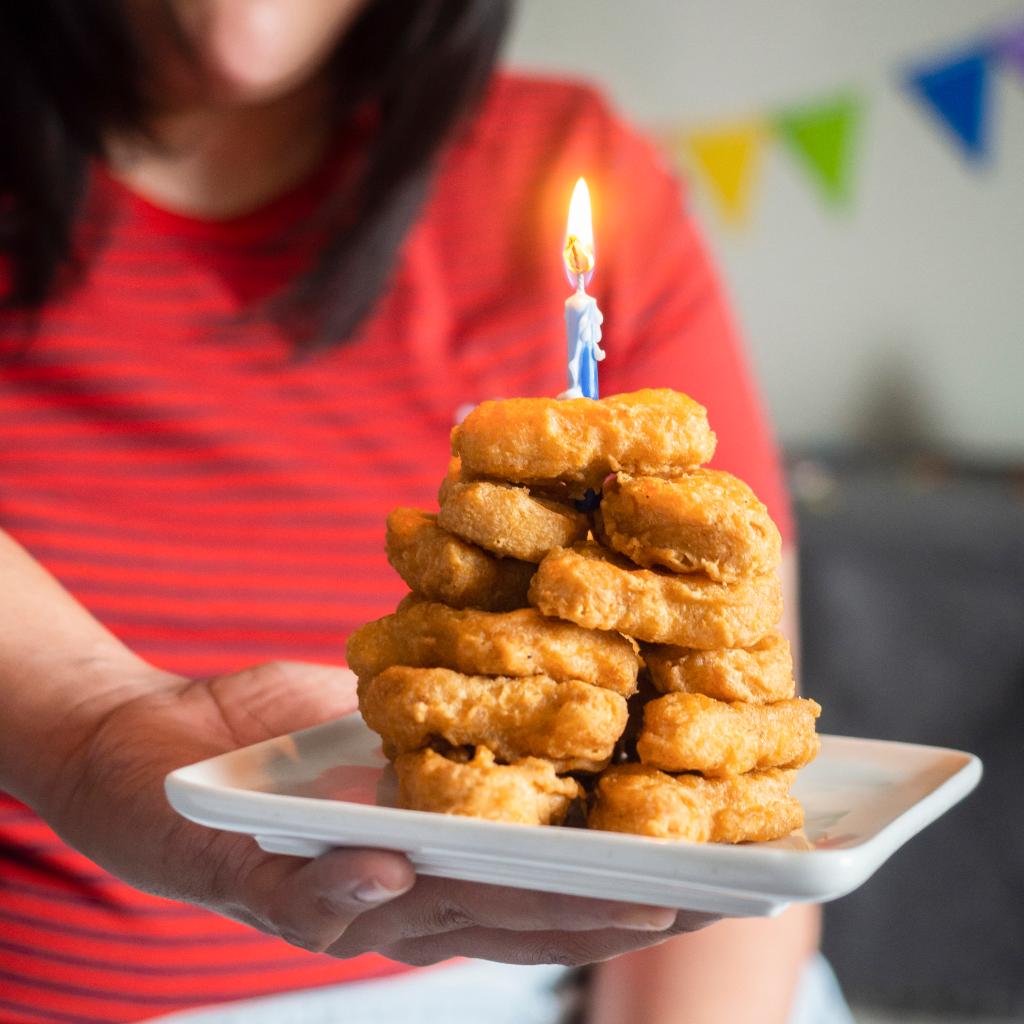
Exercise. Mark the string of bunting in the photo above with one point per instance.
(952, 88)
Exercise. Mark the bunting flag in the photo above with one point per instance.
(728, 158)
(821, 136)
(956, 90)
(1011, 48)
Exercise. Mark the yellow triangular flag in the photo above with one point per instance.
(727, 157)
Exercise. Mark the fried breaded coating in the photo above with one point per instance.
(452, 477)
(554, 490)
(690, 732)
(509, 521)
(442, 567)
(589, 586)
(759, 674)
(703, 521)
(424, 634)
(755, 807)
(580, 441)
(527, 792)
(572, 724)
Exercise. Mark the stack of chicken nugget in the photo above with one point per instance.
(577, 542)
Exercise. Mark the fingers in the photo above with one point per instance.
(349, 902)
(311, 903)
(546, 947)
(436, 906)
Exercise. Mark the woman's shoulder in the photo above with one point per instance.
(549, 93)
(524, 102)
(530, 124)
(533, 135)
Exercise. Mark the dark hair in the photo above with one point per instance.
(71, 72)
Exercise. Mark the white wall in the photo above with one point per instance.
(903, 315)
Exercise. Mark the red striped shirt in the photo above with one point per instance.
(216, 504)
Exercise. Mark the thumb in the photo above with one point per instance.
(311, 903)
(283, 696)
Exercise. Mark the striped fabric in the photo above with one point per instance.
(217, 503)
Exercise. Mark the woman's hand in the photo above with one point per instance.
(107, 799)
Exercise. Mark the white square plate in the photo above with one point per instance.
(331, 786)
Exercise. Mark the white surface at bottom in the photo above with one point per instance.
(466, 991)
(469, 991)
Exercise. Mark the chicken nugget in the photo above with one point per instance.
(424, 634)
(755, 807)
(554, 490)
(759, 674)
(703, 521)
(685, 732)
(579, 441)
(527, 792)
(507, 520)
(572, 724)
(589, 586)
(442, 567)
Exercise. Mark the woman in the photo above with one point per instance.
(257, 254)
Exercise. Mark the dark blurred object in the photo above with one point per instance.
(912, 577)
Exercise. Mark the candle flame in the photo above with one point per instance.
(579, 236)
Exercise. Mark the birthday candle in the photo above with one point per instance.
(582, 317)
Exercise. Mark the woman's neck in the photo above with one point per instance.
(221, 161)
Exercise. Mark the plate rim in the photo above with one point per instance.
(780, 874)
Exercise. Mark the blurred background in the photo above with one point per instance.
(859, 170)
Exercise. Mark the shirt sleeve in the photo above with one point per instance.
(667, 320)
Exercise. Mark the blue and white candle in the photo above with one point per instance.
(582, 317)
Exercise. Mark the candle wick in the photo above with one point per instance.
(581, 284)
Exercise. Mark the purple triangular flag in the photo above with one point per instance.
(1010, 47)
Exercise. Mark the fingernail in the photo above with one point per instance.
(648, 920)
(373, 892)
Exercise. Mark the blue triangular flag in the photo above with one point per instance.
(956, 89)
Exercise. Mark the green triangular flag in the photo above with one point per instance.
(821, 135)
